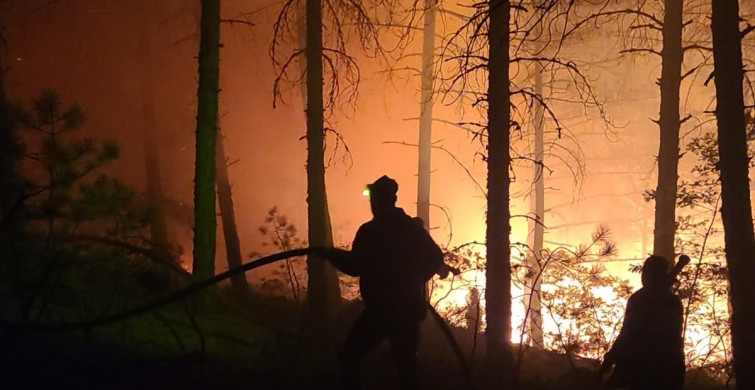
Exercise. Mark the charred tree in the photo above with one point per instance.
(497, 241)
(11, 152)
(11, 182)
(329, 67)
(228, 216)
(491, 30)
(736, 213)
(206, 134)
(669, 123)
(11, 190)
(323, 291)
(533, 280)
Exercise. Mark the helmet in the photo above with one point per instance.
(383, 188)
(655, 270)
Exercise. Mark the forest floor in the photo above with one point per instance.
(250, 344)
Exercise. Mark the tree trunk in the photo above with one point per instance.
(534, 315)
(323, 291)
(228, 216)
(668, 151)
(207, 124)
(736, 213)
(10, 184)
(498, 266)
(426, 113)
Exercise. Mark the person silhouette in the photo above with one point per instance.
(394, 257)
(648, 354)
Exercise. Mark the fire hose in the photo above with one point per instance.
(198, 286)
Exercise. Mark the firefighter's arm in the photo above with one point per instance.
(624, 339)
(341, 259)
(609, 359)
(432, 258)
(432, 254)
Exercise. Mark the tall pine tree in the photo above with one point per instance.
(736, 212)
(497, 240)
(206, 134)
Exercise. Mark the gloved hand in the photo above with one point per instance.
(445, 269)
(605, 367)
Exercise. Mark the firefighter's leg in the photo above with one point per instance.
(404, 339)
(364, 335)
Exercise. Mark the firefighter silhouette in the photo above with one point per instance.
(648, 354)
(394, 257)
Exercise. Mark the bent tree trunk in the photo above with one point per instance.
(228, 216)
(207, 123)
(739, 239)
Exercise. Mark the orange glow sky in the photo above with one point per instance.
(87, 50)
